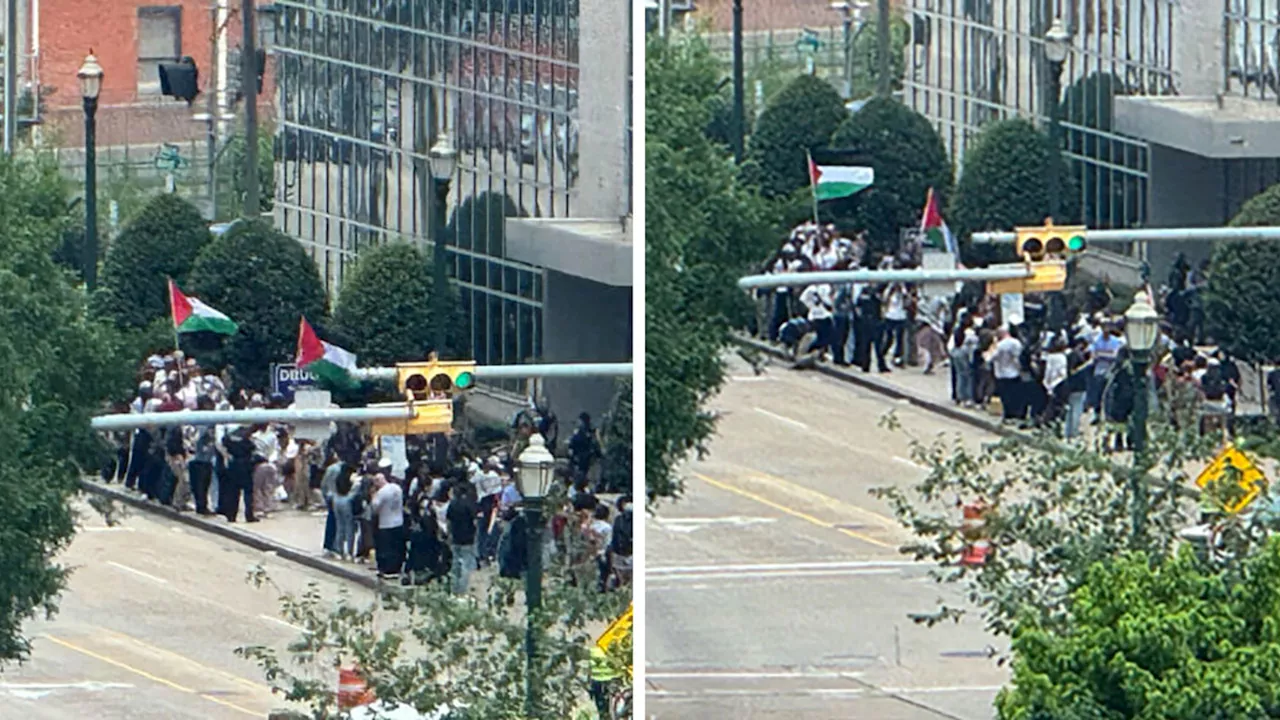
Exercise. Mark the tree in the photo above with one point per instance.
(480, 223)
(426, 648)
(866, 56)
(1155, 638)
(387, 307)
(703, 230)
(232, 163)
(161, 242)
(1056, 510)
(1238, 303)
(800, 118)
(615, 472)
(265, 282)
(1111, 198)
(1005, 183)
(60, 367)
(908, 157)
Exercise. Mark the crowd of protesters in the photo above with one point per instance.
(439, 512)
(1055, 365)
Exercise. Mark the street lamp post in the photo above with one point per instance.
(1057, 43)
(1141, 328)
(90, 76)
(846, 14)
(444, 162)
(739, 90)
(537, 466)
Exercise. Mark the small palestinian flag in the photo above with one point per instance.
(934, 228)
(190, 315)
(327, 362)
(832, 182)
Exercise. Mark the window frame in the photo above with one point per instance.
(151, 86)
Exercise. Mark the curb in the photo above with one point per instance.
(870, 383)
(244, 537)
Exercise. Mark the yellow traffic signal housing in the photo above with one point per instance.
(1034, 244)
(435, 380)
(429, 417)
(1050, 276)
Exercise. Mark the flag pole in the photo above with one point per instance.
(177, 344)
(813, 188)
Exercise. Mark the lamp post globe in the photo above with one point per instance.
(537, 467)
(1141, 324)
(444, 159)
(1057, 43)
(90, 76)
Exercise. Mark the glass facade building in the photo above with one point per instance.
(365, 88)
(973, 61)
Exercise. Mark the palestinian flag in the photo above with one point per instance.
(832, 182)
(328, 362)
(934, 228)
(190, 315)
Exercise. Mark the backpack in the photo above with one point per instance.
(1213, 386)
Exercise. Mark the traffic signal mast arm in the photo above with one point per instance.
(999, 272)
(130, 421)
(1151, 235)
(566, 370)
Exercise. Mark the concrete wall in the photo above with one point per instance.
(602, 87)
(583, 321)
(1187, 190)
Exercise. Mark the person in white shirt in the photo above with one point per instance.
(895, 321)
(388, 518)
(1006, 366)
(266, 473)
(820, 303)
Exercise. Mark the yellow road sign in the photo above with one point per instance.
(1251, 480)
(616, 631)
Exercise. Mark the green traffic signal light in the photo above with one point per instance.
(1076, 244)
(464, 380)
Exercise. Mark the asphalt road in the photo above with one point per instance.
(148, 628)
(775, 588)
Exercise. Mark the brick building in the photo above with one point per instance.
(130, 39)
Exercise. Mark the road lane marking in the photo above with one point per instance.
(651, 571)
(782, 418)
(796, 489)
(135, 571)
(952, 689)
(154, 678)
(792, 512)
(730, 675)
(113, 528)
(183, 658)
(751, 378)
(792, 574)
(846, 692)
(278, 621)
(906, 461)
(689, 525)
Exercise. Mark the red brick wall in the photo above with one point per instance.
(70, 28)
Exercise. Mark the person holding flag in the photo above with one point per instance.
(934, 230)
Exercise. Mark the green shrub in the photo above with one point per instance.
(615, 473)
(802, 116)
(1005, 183)
(161, 242)
(908, 157)
(265, 282)
(386, 308)
(1241, 312)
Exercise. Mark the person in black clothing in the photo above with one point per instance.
(238, 480)
(1119, 401)
(620, 543)
(868, 328)
(583, 447)
(461, 516)
(513, 548)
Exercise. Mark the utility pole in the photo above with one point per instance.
(884, 88)
(739, 113)
(249, 83)
(10, 76)
(215, 114)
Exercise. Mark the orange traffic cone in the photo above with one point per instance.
(974, 530)
(353, 691)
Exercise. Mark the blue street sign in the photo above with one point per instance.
(286, 378)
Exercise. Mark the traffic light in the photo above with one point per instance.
(235, 72)
(1046, 276)
(180, 79)
(1053, 241)
(435, 380)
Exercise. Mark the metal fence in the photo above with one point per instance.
(974, 61)
(364, 87)
(1251, 48)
